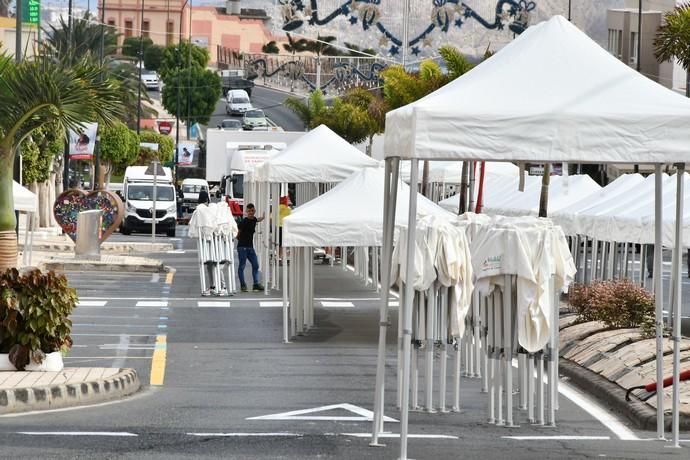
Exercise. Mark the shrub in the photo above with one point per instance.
(34, 315)
(617, 303)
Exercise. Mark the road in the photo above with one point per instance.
(226, 365)
(271, 102)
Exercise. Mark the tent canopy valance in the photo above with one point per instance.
(24, 199)
(318, 156)
(551, 95)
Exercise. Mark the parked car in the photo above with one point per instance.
(150, 79)
(255, 120)
(237, 102)
(230, 124)
(190, 190)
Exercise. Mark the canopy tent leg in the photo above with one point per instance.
(429, 352)
(540, 388)
(485, 344)
(508, 348)
(417, 330)
(500, 355)
(522, 378)
(477, 335)
(407, 307)
(443, 337)
(677, 296)
(658, 296)
(267, 239)
(530, 388)
(584, 254)
(553, 357)
(490, 350)
(390, 198)
(595, 260)
(286, 333)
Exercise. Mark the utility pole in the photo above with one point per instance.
(18, 32)
(189, 70)
(102, 50)
(69, 22)
(569, 10)
(636, 168)
(141, 64)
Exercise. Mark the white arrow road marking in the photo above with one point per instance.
(363, 415)
(77, 433)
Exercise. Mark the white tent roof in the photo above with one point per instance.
(351, 214)
(318, 156)
(450, 172)
(552, 94)
(572, 218)
(562, 193)
(24, 199)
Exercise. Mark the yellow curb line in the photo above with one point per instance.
(158, 361)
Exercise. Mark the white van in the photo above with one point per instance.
(237, 102)
(138, 193)
(190, 192)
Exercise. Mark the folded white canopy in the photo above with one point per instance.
(552, 94)
(318, 156)
(351, 214)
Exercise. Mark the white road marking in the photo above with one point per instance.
(155, 277)
(592, 408)
(558, 438)
(111, 335)
(363, 415)
(607, 419)
(152, 303)
(176, 251)
(337, 304)
(78, 433)
(396, 435)
(394, 303)
(270, 303)
(202, 304)
(247, 435)
(92, 303)
(115, 346)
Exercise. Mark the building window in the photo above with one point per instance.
(111, 22)
(616, 43)
(170, 33)
(145, 27)
(634, 37)
(128, 28)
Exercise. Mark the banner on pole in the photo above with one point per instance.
(82, 142)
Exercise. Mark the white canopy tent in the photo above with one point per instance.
(575, 103)
(350, 214)
(318, 157)
(563, 191)
(26, 201)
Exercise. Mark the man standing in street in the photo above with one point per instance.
(245, 248)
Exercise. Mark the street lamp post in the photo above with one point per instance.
(141, 64)
(177, 115)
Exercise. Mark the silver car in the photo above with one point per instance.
(254, 120)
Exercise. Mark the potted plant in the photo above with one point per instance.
(34, 319)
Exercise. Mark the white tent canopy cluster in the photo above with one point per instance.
(27, 202)
(575, 103)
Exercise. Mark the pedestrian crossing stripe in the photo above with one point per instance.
(92, 303)
(330, 304)
(207, 304)
(152, 303)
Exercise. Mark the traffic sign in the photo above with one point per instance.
(164, 127)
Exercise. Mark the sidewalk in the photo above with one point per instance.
(606, 363)
(56, 252)
(31, 391)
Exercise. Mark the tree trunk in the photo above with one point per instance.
(687, 84)
(425, 178)
(8, 222)
(462, 208)
(52, 196)
(544, 196)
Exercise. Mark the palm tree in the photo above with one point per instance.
(33, 94)
(673, 40)
(83, 40)
(308, 111)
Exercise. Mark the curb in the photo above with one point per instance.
(115, 248)
(15, 400)
(612, 397)
(61, 266)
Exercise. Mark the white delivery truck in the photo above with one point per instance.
(190, 191)
(244, 157)
(138, 193)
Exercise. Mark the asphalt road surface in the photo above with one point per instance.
(271, 102)
(226, 366)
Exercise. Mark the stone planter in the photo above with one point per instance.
(52, 363)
